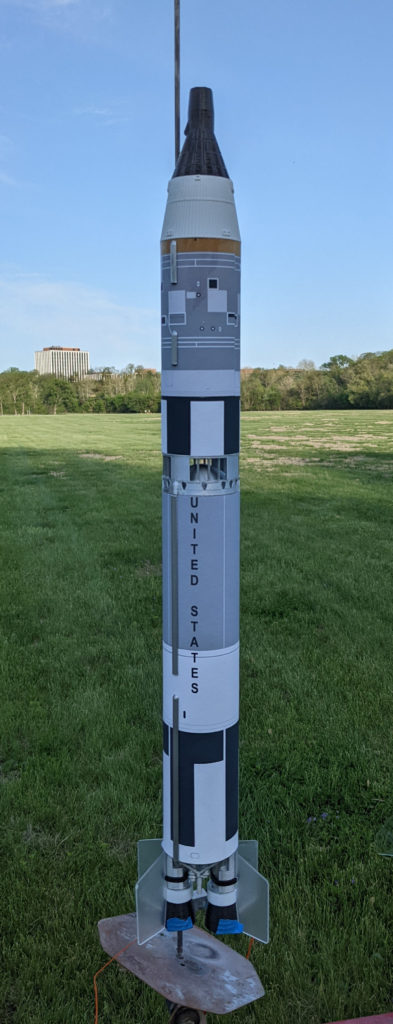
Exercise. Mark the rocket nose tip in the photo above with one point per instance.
(200, 107)
(202, 92)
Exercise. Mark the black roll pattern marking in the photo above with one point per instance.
(204, 748)
(231, 780)
(178, 412)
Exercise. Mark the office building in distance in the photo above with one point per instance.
(62, 362)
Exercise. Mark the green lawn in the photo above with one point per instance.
(80, 670)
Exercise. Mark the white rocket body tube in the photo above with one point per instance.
(200, 252)
(200, 442)
(200, 320)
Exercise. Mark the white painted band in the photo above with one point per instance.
(213, 702)
(222, 899)
(177, 896)
(208, 849)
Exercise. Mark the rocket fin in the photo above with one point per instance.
(248, 849)
(150, 906)
(252, 899)
(148, 851)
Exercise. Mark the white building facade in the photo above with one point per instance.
(62, 362)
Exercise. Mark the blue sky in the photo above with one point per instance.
(304, 118)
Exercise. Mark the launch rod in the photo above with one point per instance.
(177, 79)
(175, 779)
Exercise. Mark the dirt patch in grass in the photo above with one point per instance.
(280, 437)
(40, 838)
(371, 464)
(8, 774)
(281, 460)
(361, 438)
(334, 443)
(97, 455)
(147, 569)
(267, 447)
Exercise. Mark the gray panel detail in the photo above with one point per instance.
(232, 568)
(174, 351)
(216, 261)
(200, 383)
(208, 568)
(207, 343)
(173, 263)
(188, 259)
(208, 560)
(193, 297)
(219, 357)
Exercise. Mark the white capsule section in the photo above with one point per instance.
(200, 206)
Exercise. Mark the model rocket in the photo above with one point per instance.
(199, 862)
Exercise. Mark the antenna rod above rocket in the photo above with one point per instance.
(177, 79)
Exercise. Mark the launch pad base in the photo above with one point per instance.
(210, 976)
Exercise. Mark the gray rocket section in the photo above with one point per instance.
(212, 579)
(204, 309)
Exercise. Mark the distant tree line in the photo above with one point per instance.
(135, 389)
(341, 383)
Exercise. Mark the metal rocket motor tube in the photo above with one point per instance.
(200, 316)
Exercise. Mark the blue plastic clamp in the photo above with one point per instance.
(174, 924)
(228, 927)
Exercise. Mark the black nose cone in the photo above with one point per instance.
(200, 110)
(200, 153)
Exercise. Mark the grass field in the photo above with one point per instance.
(80, 670)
